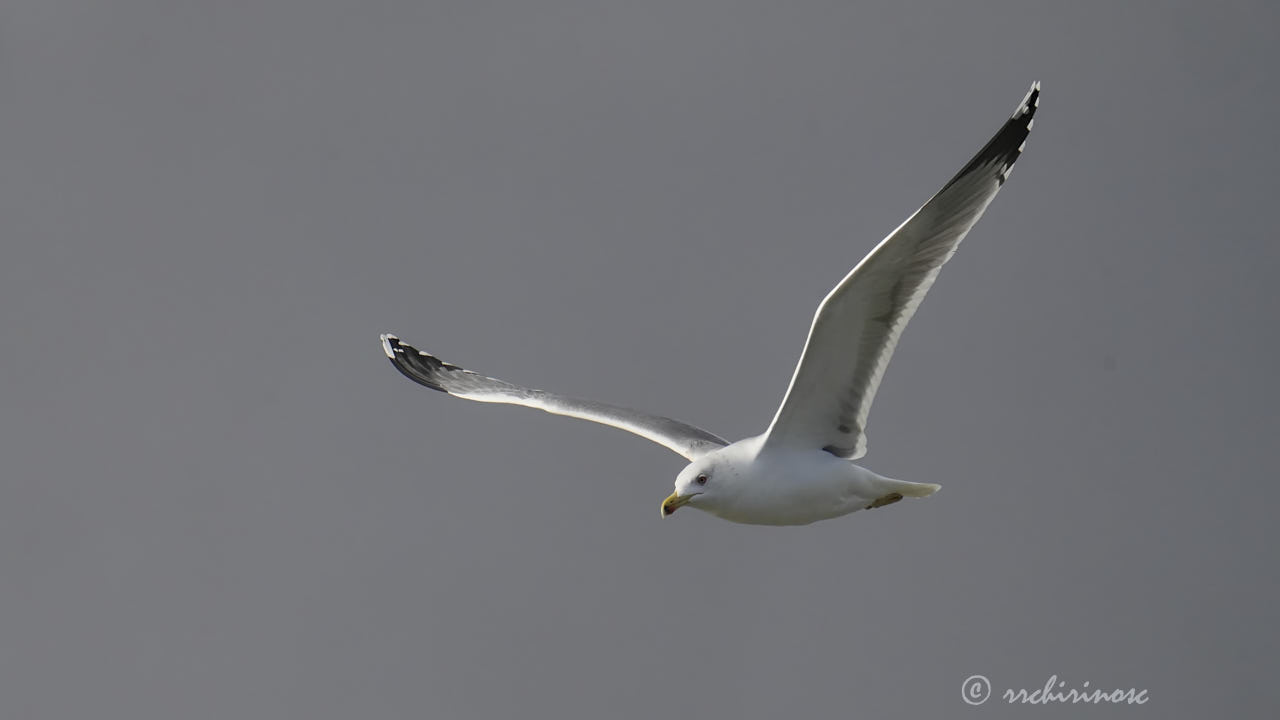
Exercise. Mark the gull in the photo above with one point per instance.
(800, 469)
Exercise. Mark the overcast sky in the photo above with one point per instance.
(218, 499)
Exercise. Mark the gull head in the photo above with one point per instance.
(696, 485)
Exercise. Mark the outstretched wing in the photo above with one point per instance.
(858, 324)
(428, 370)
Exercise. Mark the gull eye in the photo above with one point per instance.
(702, 479)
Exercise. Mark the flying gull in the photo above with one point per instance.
(799, 470)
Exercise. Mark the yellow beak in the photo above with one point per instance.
(674, 502)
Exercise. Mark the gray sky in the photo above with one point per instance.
(219, 500)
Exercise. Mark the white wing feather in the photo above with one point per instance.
(681, 438)
(858, 324)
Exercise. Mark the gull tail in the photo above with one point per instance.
(894, 490)
(908, 489)
(920, 489)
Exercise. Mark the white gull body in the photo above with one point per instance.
(799, 470)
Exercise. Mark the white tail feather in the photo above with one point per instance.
(910, 489)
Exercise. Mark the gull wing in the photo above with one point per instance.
(424, 369)
(858, 324)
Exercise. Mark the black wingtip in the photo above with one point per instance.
(414, 364)
(1004, 149)
(1018, 127)
(1030, 102)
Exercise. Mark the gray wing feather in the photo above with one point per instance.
(425, 369)
(857, 325)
